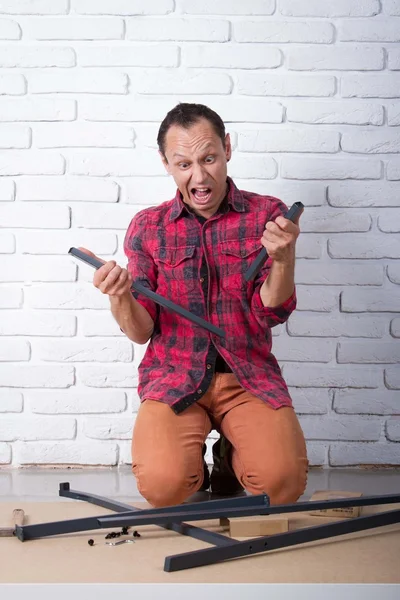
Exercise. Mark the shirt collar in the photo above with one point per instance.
(234, 197)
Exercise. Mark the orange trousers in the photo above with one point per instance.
(269, 451)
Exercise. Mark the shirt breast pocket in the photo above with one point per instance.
(237, 256)
(177, 269)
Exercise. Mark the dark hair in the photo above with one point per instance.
(186, 114)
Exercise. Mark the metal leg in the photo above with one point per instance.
(209, 556)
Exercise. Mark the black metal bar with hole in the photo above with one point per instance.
(200, 558)
(186, 314)
(262, 257)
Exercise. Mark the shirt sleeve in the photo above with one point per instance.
(141, 265)
(267, 316)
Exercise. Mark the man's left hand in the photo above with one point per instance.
(279, 239)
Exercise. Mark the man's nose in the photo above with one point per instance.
(199, 174)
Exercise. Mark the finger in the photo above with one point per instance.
(122, 285)
(286, 225)
(110, 280)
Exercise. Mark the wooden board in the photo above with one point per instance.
(366, 557)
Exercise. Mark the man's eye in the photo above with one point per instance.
(210, 159)
(183, 165)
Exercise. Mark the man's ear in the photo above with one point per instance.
(164, 162)
(228, 147)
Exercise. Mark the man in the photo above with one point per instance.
(194, 250)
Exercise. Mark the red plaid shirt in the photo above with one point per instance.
(166, 247)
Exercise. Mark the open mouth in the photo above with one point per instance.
(201, 195)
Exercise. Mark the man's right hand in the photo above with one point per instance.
(111, 279)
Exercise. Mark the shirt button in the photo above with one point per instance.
(208, 366)
(199, 391)
(243, 252)
(201, 279)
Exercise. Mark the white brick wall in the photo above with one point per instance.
(310, 92)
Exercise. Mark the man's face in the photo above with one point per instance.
(197, 160)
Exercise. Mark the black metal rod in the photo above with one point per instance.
(93, 262)
(262, 257)
(209, 556)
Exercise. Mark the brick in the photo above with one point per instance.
(149, 109)
(287, 349)
(72, 28)
(66, 297)
(394, 273)
(36, 428)
(14, 162)
(249, 166)
(92, 324)
(371, 142)
(336, 326)
(183, 82)
(7, 243)
(82, 135)
(73, 402)
(35, 215)
(370, 300)
(52, 242)
(393, 112)
(364, 454)
(157, 55)
(301, 140)
(371, 30)
(353, 194)
(326, 220)
(108, 376)
(177, 30)
(105, 163)
(345, 273)
(11, 401)
(59, 376)
(310, 400)
(247, 56)
(277, 84)
(376, 402)
(83, 350)
(305, 375)
(30, 268)
(123, 7)
(34, 7)
(341, 429)
(73, 189)
(279, 32)
(12, 85)
(351, 246)
(315, 298)
(119, 428)
(5, 454)
(146, 190)
(14, 350)
(105, 217)
(7, 190)
(15, 136)
(325, 8)
(395, 327)
(346, 113)
(391, 7)
(308, 246)
(357, 58)
(392, 378)
(36, 56)
(9, 30)
(330, 168)
(372, 353)
(65, 453)
(317, 454)
(371, 85)
(310, 193)
(37, 323)
(394, 59)
(234, 7)
(393, 430)
(10, 297)
(393, 170)
(89, 81)
(35, 109)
